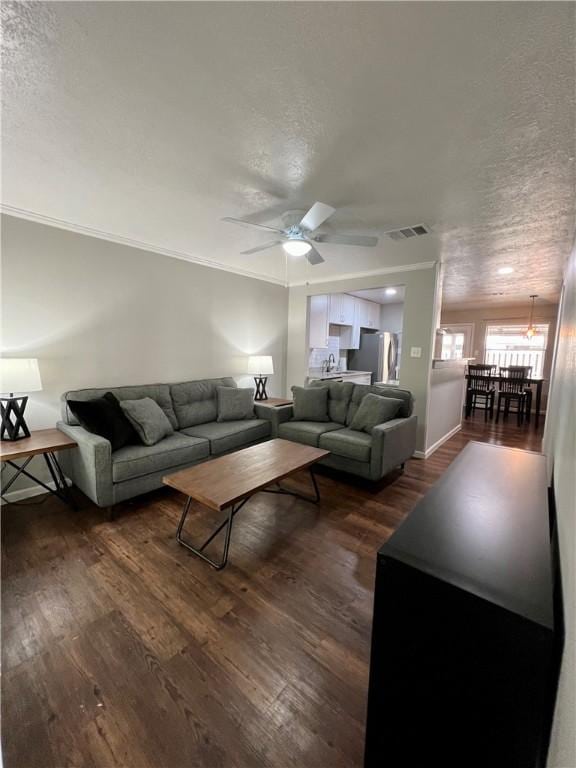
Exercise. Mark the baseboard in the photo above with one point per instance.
(27, 493)
(429, 451)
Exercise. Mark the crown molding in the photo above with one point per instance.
(79, 229)
(39, 218)
(366, 273)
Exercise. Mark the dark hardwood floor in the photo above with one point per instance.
(121, 649)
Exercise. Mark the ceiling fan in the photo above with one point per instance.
(298, 237)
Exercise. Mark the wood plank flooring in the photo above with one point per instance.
(122, 649)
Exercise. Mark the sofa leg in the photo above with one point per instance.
(110, 514)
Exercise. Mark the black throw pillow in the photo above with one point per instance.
(104, 416)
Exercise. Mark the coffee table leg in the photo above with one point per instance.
(283, 492)
(226, 523)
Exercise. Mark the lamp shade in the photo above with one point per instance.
(19, 375)
(260, 365)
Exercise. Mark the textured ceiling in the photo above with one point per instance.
(151, 121)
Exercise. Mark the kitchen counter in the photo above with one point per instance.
(317, 374)
(461, 363)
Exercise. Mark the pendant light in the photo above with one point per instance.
(531, 331)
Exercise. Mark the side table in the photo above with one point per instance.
(42, 442)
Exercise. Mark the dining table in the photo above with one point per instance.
(537, 381)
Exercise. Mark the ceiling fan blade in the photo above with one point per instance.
(271, 244)
(316, 215)
(365, 240)
(251, 225)
(313, 256)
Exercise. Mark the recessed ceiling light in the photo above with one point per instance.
(296, 247)
(390, 291)
(505, 270)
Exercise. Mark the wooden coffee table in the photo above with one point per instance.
(228, 482)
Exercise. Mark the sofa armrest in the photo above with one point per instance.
(392, 444)
(275, 415)
(89, 466)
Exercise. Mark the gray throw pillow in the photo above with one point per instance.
(310, 403)
(148, 419)
(374, 410)
(235, 403)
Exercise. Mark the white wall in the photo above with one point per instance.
(445, 405)
(100, 314)
(560, 448)
(418, 331)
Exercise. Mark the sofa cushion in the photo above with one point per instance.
(158, 392)
(139, 460)
(310, 403)
(103, 416)
(235, 403)
(361, 390)
(148, 419)
(307, 432)
(195, 402)
(227, 435)
(374, 410)
(347, 443)
(339, 395)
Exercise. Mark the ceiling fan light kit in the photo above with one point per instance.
(296, 247)
(298, 238)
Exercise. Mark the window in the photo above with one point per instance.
(452, 346)
(456, 341)
(507, 345)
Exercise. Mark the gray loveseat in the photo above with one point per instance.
(370, 456)
(109, 477)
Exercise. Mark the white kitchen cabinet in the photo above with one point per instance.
(374, 315)
(335, 308)
(362, 306)
(350, 334)
(318, 322)
(342, 309)
(368, 314)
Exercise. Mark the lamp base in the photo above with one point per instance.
(260, 382)
(13, 425)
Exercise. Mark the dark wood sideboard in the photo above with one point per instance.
(467, 633)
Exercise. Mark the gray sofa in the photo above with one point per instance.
(370, 456)
(109, 477)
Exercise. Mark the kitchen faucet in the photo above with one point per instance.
(328, 365)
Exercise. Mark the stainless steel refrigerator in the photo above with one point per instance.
(379, 353)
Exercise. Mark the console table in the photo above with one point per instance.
(42, 442)
(467, 634)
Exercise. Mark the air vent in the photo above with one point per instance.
(403, 234)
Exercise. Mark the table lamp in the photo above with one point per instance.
(16, 375)
(260, 366)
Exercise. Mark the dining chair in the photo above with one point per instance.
(480, 387)
(527, 371)
(512, 389)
